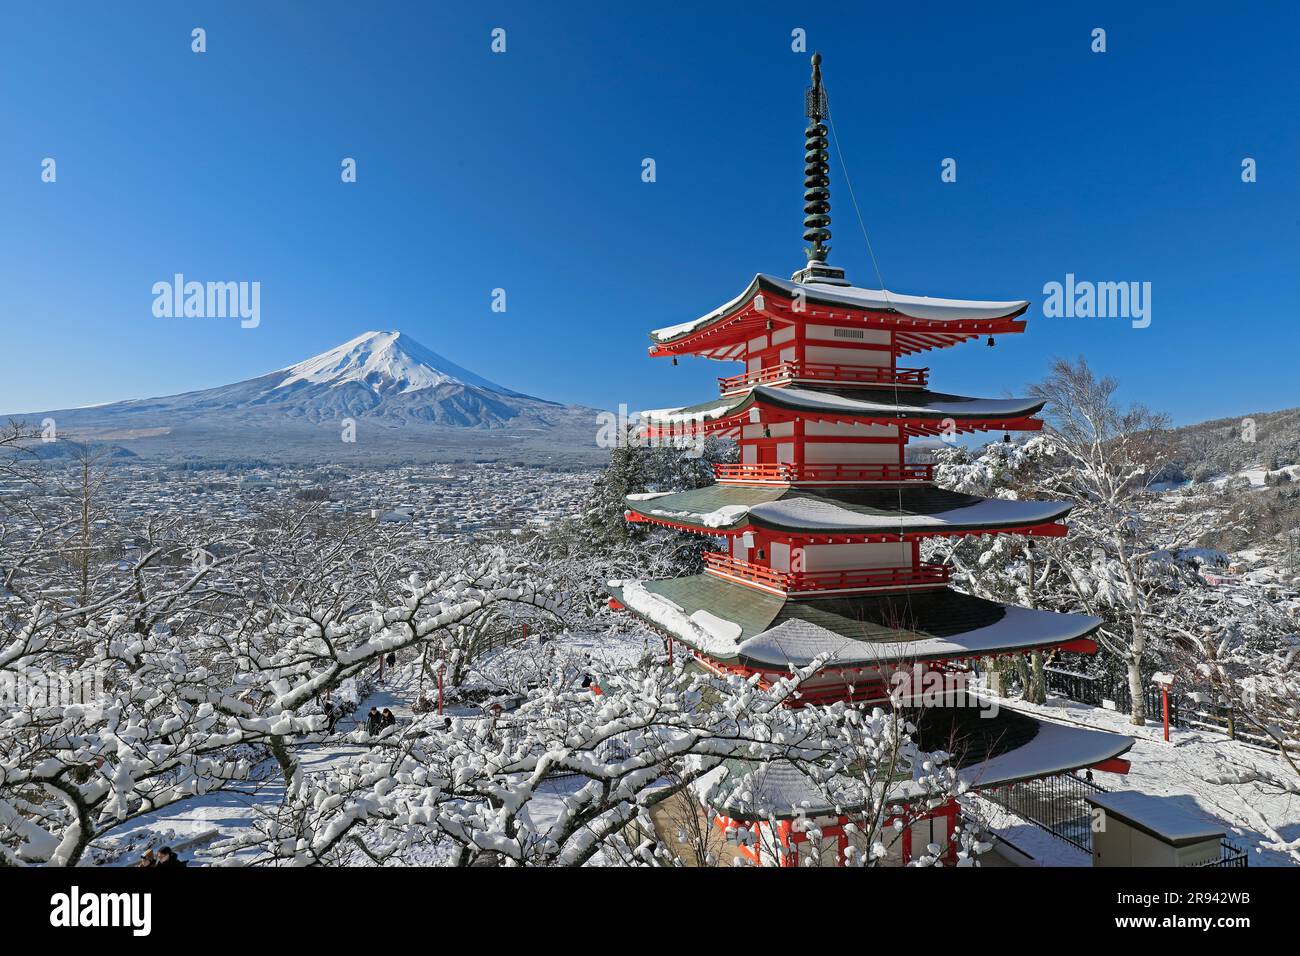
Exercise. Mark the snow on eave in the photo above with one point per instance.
(855, 297)
(811, 514)
(1056, 748)
(959, 406)
(797, 642)
(914, 306)
(708, 633)
(901, 404)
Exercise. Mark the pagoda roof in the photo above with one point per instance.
(965, 317)
(737, 625)
(849, 404)
(988, 748)
(911, 509)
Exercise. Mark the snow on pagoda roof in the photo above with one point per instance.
(853, 297)
(849, 402)
(732, 623)
(1007, 747)
(798, 642)
(883, 510)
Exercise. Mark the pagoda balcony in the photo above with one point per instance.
(785, 473)
(788, 372)
(809, 583)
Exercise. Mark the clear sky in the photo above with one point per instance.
(522, 170)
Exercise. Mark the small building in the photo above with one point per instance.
(1139, 829)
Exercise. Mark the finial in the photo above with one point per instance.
(816, 95)
(817, 186)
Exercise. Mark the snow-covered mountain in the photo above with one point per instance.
(388, 363)
(397, 391)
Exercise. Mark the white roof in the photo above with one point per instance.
(916, 306)
(798, 642)
(1054, 748)
(862, 403)
(824, 515)
(1159, 814)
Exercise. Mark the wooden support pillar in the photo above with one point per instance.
(790, 857)
(953, 815)
(800, 452)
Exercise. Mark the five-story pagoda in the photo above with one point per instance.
(823, 518)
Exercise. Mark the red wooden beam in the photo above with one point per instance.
(1113, 765)
(1080, 645)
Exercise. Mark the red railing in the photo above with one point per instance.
(785, 473)
(846, 374)
(927, 574)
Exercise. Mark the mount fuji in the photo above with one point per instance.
(406, 401)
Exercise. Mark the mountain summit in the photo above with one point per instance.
(388, 363)
(403, 400)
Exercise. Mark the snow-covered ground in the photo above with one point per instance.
(1200, 767)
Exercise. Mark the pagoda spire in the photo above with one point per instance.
(817, 187)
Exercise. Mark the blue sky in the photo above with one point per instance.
(522, 171)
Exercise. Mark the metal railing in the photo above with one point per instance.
(1230, 855)
(1056, 804)
(787, 472)
(1093, 690)
(926, 574)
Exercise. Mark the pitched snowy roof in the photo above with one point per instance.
(735, 624)
(990, 748)
(852, 297)
(885, 510)
(850, 402)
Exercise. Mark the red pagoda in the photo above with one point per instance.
(822, 519)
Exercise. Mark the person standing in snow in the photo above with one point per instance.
(166, 857)
(388, 719)
(374, 721)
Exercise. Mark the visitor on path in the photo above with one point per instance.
(168, 857)
(388, 719)
(374, 721)
(147, 859)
